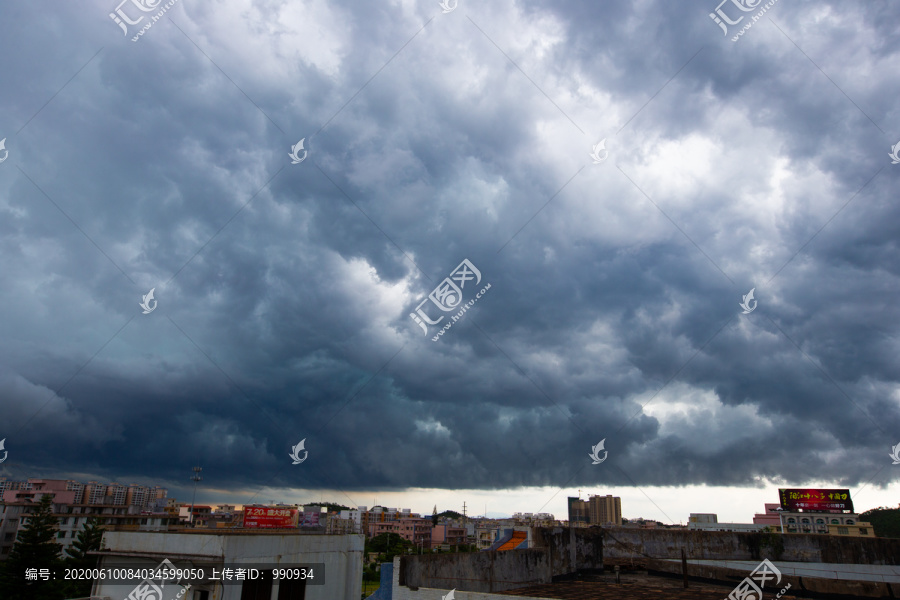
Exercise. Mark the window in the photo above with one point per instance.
(843, 530)
(61, 534)
(863, 531)
(791, 520)
(74, 520)
(64, 520)
(804, 520)
(9, 536)
(820, 521)
(70, 510)
(257, 589)
(6, 550)
(849, 521)
(291, 589)
(835, 522)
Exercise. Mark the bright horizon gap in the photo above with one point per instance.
(731, 504)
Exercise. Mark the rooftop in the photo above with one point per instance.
(636, 586)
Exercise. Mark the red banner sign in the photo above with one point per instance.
(815, 500)
(270, 518)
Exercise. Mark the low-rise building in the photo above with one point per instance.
(857, 529)
(201, 515)
(448, 535)
(335, 562)
(414, 529)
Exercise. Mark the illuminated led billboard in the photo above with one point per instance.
(815, 500)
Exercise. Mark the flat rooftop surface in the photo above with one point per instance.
(636, 586)
(882, 573)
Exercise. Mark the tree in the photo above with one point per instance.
(88, 540)
(451, 514)
(434, 517)
(35, 548)
(885, 521)
(388, 545)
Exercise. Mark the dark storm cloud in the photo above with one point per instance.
(284, 290)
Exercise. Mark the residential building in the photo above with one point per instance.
(706, 518)
(578, 512)
(818, 522)
(605, 510)
(448, 535)
(113, 505)
(486, 533)
(202, 514)
(832, 522)
(415, 529)
(857, 529)
(771, 517)
(380, 514)
(337, 525)
(535, 519)
(746, 527)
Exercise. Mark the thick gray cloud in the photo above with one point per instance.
(285, 290)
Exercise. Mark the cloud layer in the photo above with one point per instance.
(284, 291)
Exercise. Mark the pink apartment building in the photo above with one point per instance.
(416, 530)
(772, 516)
(447, 534)
(117, 506)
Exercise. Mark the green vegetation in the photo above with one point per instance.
(35, 548)
(369, 587)
(450, 514)
(88, 540)
(885, 521)
(329, 506)
(388, 545)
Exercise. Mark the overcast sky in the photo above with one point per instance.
(282, 292)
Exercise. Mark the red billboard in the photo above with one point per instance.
(815, 500)
(262, 517)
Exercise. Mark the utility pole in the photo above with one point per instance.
(195, 478)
